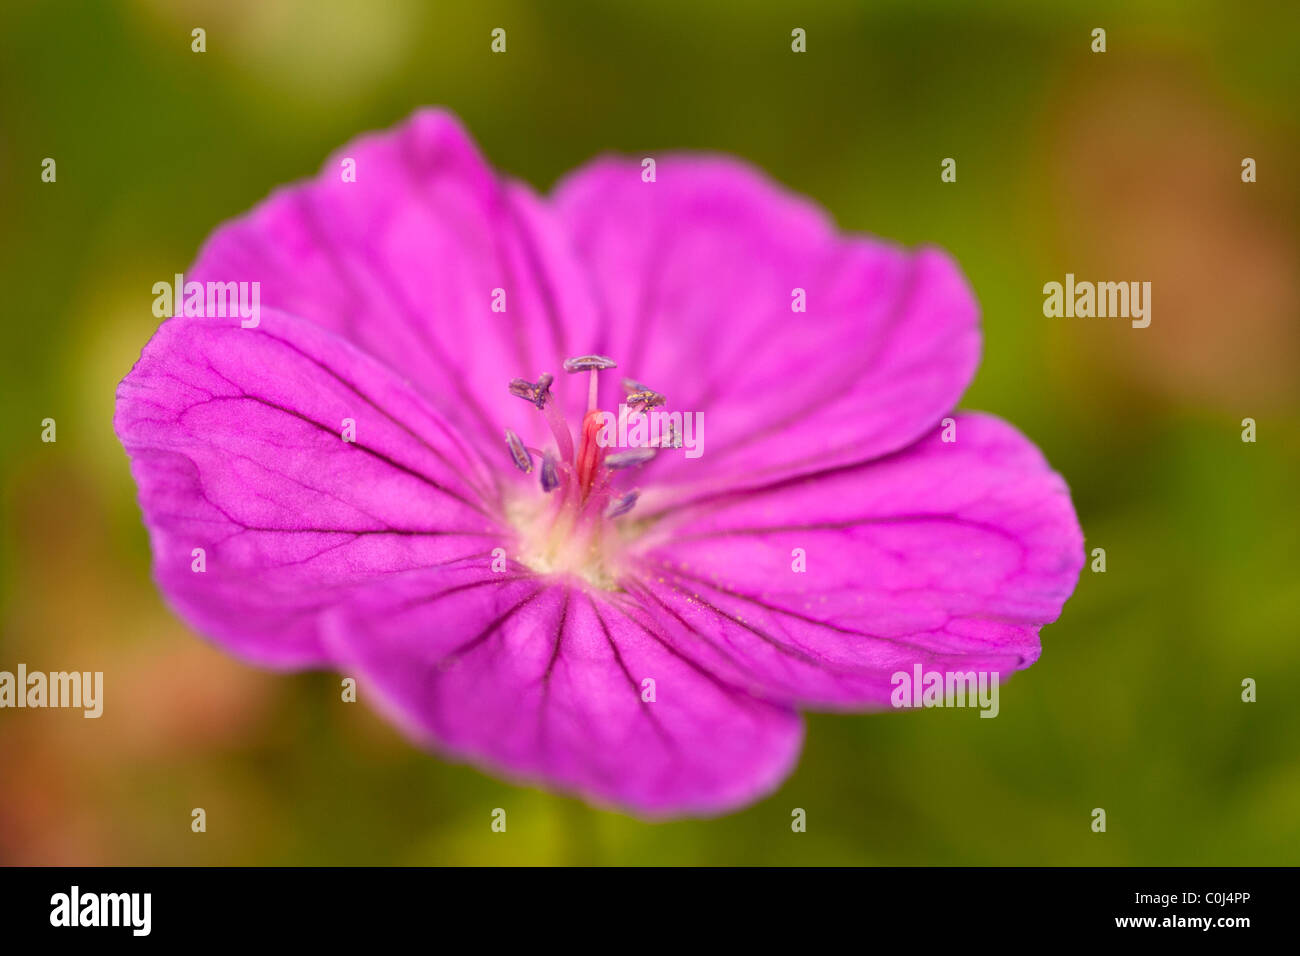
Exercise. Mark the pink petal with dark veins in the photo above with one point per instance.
(403, 263)
(696, 272)
(235, 439)
(952, 555)
(542, 682)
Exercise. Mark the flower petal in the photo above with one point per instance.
(951, 555)
(236, 442)
(696, 272)
(404, 262)
(543, 682)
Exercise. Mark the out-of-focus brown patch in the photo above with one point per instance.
(81, 608)
(172, 704)
(1146, 177)
(187, 698)
(44, 818)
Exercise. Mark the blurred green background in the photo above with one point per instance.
(1123, 165)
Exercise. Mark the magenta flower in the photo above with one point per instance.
(484, 566)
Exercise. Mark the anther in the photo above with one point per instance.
(641, 397)
(629, 458)
(622, 505)
(588, 363)
(550, 476)
(523, 460)
(644, 399)
(536, 392)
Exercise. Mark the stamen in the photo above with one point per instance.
(587, 363)
(640, 397)
(523, 460)
(629, 458)
(645, 399)
(536, 392)
(539, 393)
(550, 476)
(621, 506)
(555, 419)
